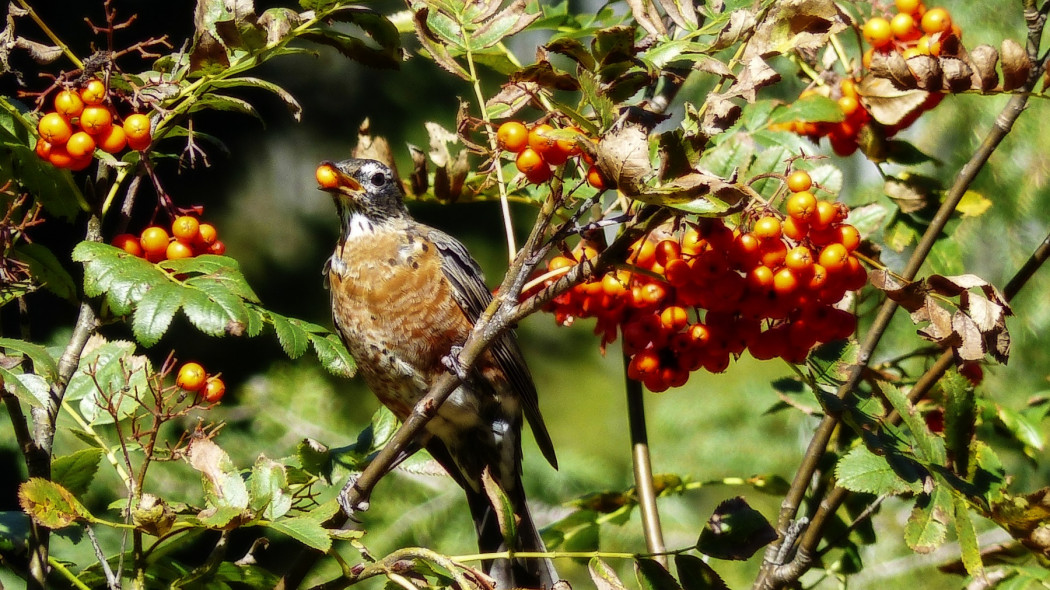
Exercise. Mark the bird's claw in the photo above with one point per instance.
(451, 362)
(350, 499)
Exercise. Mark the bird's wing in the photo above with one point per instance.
(473, 296)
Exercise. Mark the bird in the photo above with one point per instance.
(405, 296)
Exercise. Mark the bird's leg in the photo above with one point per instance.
(451, 362)
(352, 498)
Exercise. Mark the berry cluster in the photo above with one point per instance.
(188, 238)
(81, 123)
(914, 30)
(542, 146)
(702, 293)
(192, 377)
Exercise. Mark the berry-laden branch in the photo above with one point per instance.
(773, 574)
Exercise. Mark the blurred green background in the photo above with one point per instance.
(263, 198)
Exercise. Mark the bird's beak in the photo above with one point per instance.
(343, 181)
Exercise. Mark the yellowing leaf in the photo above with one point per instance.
(973, 204)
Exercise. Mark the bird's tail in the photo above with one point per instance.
(529, 572)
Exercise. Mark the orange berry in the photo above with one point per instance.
(904, 27)
(137, 127)
(928, 46)
(785, 281)
(801, 206)
(539, 175)
(825, 214)
(512, 136)
(80, 144)
(908, 6)
(59, 157)
(834, 258)
(55, 128)
(185, 229)
(849, 88)
(94, 92)
(154, 240)
(569, 146)
(767, 228)
(799, 259)
(594, 178)
(667, 250)
(217, 248)
(540, 141)
(848, 236)
(96, 120)
(128, 243)
(529, 160)
(773, 253)
(327, 177)
(177, 250)
(213, 390)
(877, 32)
(206, 235)
(42, 148)
(191, 377)
(848, 104)
(799, 180)
(68, 104)
(936, 20)
(673, 318)
(760, 277)
(114, 140)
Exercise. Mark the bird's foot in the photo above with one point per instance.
(351, 498)
(451, 362)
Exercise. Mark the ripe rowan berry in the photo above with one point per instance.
(767, 228)
(849, 105)
(327, 177)
(113, 141)
(539, 139)
(80, 144)
(128, 243)
(801, 206)
(904, 27)
(825, 214)
(799, 259)
(848, 236)
(833, 258)
(177, 250)
(877, 32)
(80, 163)
(927, 45)
(673, 318)
(137, 127)
(594, 178)
(936, 20)
(59, 157)
(799, 180)
(42, 148)
(191, 377)
(96, 120)
(94, 92)
(667, 250)
(185, 228)
(569, 146)
(772, 253)
(154, 240)
(68, 104)
(213, 390)
(539, 175)
(54, 128)
(512, 136)
(908, 6)
(529, 160)
(206, 235)
(218, 248)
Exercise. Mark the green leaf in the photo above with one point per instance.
(314, 457)
(154, 312)
(292, 337)
(122, 376)
(860, 470)
(219, 517)
(205, 314)
(504, 508)
(735, 531)
(1020, 427)
(927, 525)
(50, 504)
(293, 105)
(603, 576)
(30, 388)
(269, 489)
(695, 574)
(960, 419)
(333, 355)
(305, 530)
(653, 576)
(930, 447)
(352, 47)
(46, 269)
(43, 363)
(814, 108)
(218, 102)
(969, 546)
(75, 471)
(378, 26)
(234, 312)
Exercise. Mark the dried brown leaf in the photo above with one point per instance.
(908, 197)
(511, 98)
(927, 71)
(646, 15)
(740, 24)
(983, 59)
(957, 75)
(888, 104)
(910, 296)
(418, 181)
(1016, 64)
(41, 54)
(894, 67)
(681, 13)
(940, 322)
(795, 25)
(970, 339)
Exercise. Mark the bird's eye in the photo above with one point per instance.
(378, 179)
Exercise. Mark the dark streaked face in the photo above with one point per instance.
(368, 188)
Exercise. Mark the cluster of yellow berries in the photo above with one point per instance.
(82, 123)
(914, 30)
(193, 377)
(188, 238)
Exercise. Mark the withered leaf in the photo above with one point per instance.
(681, 13)
(927, 70)
(720, 114)
(983, 59)
(645, 14)
(544, 74)
(740, 23)
(572, 49)
(888, 104)
(510, 99)
(894, 67)
(41, 54)
(911, 296)
(940, 321)
(208, 54)
(970, 345)
(418, 181)
(957, 75)
(1015, 63)
(795, 25)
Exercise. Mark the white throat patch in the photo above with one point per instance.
(358, 226)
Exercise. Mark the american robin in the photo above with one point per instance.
(405, 297)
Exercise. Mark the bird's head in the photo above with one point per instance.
(367, 189)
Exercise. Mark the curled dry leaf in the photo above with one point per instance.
(1016, 64)
(983, 59)
(957, 76)
(894, 67)
(795, 25)
(927, 72)
(888, 104)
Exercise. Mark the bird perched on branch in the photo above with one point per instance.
(405, 297)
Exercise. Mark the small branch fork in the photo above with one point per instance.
(776, 572)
